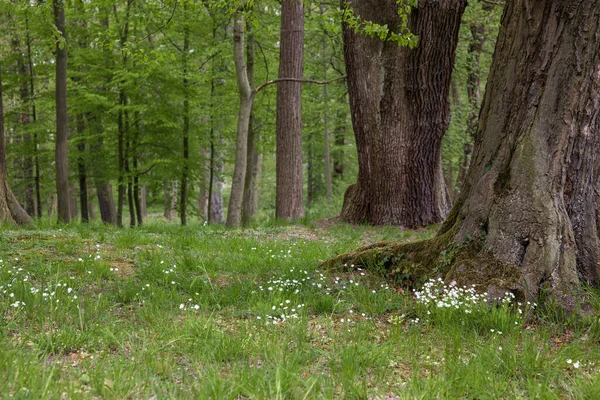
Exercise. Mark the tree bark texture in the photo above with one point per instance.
(234, 212)
(528, 217)
(62, 127)
(10, 209)
(289, 184)
(400, 112)
(533, 189)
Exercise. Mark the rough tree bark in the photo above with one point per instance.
(10, 209)
(399, 105)
(288, 197)
(62, 127)
(529, 215)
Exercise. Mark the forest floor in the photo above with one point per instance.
(88, 311)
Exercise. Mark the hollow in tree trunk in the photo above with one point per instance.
(399, 105)
(529, 214)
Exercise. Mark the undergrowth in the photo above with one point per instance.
(88, 311)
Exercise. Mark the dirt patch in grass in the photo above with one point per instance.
(122, 267)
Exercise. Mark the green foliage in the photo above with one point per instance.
(401, 34)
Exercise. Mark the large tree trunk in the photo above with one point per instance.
(62, 128)
(400, 112)
(10, 209)
(288, 201)
(234, 212)
(529, 214)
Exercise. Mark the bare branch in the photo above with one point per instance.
(264, 85)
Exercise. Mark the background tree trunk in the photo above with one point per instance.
(81, 169)
(10, 209)
(234, 212)
(62, 127)
(250, 201)
(186, 123)
(400, 112)
(288, 202)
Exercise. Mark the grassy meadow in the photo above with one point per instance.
(165, 312)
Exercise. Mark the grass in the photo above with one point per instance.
(88, 311)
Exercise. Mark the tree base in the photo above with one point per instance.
(410, 265)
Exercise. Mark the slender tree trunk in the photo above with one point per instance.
(25, 119)
(216, 198)
(203, 192)
(122, 158)
(399, 104)
(250, 201)
(144, 202)
(340, 142)
(90, 205)
(186, 124)
(289, 202)
(137, 201)
(81, 169)
(36, 161)
(10, 209)
(73, 202)
(328, 178)
(121, 124)
(234, 212)
(129, 177)
(310, 179)
(62, 127)
(167, 200)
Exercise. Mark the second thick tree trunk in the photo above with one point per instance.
(400, 112)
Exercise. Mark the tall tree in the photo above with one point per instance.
(250, 201)
(10, 209)
(62, 123)
(529, 214)
(399, 103)
(234, 213)
(288, 202)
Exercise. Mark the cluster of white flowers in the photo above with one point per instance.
(282, 312)
(189, 305)
(291, 283)
(436, 292)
